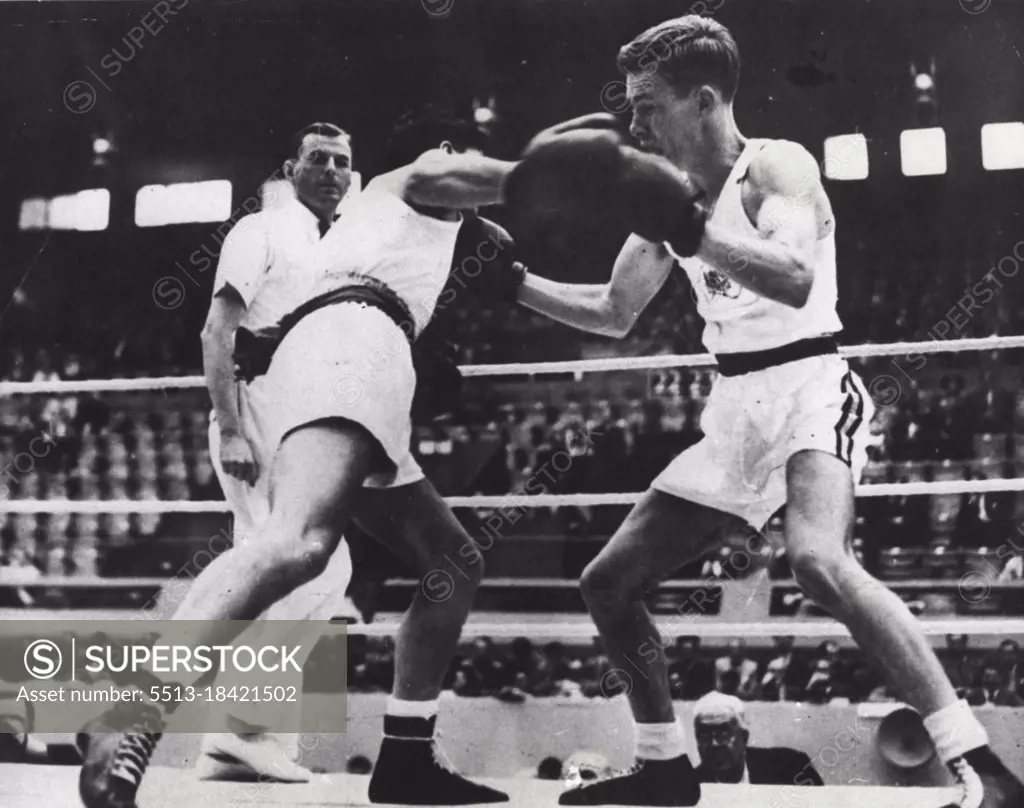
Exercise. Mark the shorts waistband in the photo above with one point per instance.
(379, 296)
(254, 351)
(738, 364)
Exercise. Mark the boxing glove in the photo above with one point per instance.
(595, 122)
(588, 170)
(485, 262)
(439, 382)
(563, 173)
(661, 203)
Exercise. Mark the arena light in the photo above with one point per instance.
(923, 151)
(846, 157)
(34, 213)
(85, 210)
(183, 203)
(1002, 146)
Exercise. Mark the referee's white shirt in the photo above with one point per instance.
(265, 258)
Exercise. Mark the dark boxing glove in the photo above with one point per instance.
(576, 169)
(595, 122)
(661, 203)
(439, 381)
(563, 174)
(485, 262)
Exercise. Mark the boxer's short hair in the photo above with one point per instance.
(687, 52)
(427, 128)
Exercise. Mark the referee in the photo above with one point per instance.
(262, 275)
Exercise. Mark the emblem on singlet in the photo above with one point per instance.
(720, 286)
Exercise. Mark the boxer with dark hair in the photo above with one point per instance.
(341, 451)
(786, 424)
(435, 125)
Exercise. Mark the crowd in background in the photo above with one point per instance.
(521, 669)
(596, 441)
(944, 417)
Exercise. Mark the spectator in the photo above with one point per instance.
(380, 664)
(562, 668)
(692, 676)
(593, 671)
(18, 569)
(784, 675)
(528, 669)
(819, 687)
(745, 670)
(720, 726)
(482, 673)
(995, 691)
(961, 667)
(827, 653)
(1008, 662)
(1014, 569)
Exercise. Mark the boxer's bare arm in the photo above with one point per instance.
(441, 179)
(612, 308)
(791, 213)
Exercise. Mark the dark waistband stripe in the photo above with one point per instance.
(739, 364)
(371, 292)
(255, 351)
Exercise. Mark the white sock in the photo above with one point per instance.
(955, 731)
(411, 709)
(660, 741)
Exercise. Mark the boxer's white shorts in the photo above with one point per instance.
(348, 361)
(755, 422)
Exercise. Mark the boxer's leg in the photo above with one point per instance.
(317, 473)
(415, 523)
(660, 534)
(244, 755)
(819, 532)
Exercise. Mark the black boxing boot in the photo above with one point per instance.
(117, 748)
(650, 782)
(411, 770)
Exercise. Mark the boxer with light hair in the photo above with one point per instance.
(722, 732)
(787, 421)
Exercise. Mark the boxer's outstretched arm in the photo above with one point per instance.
(612, 308)
(442, 179)
(793, 213)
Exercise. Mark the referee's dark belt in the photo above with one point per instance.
(738, 364)
(254, 351)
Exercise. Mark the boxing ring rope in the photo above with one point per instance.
(575, 366)
(160, 506)
(570, 626)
